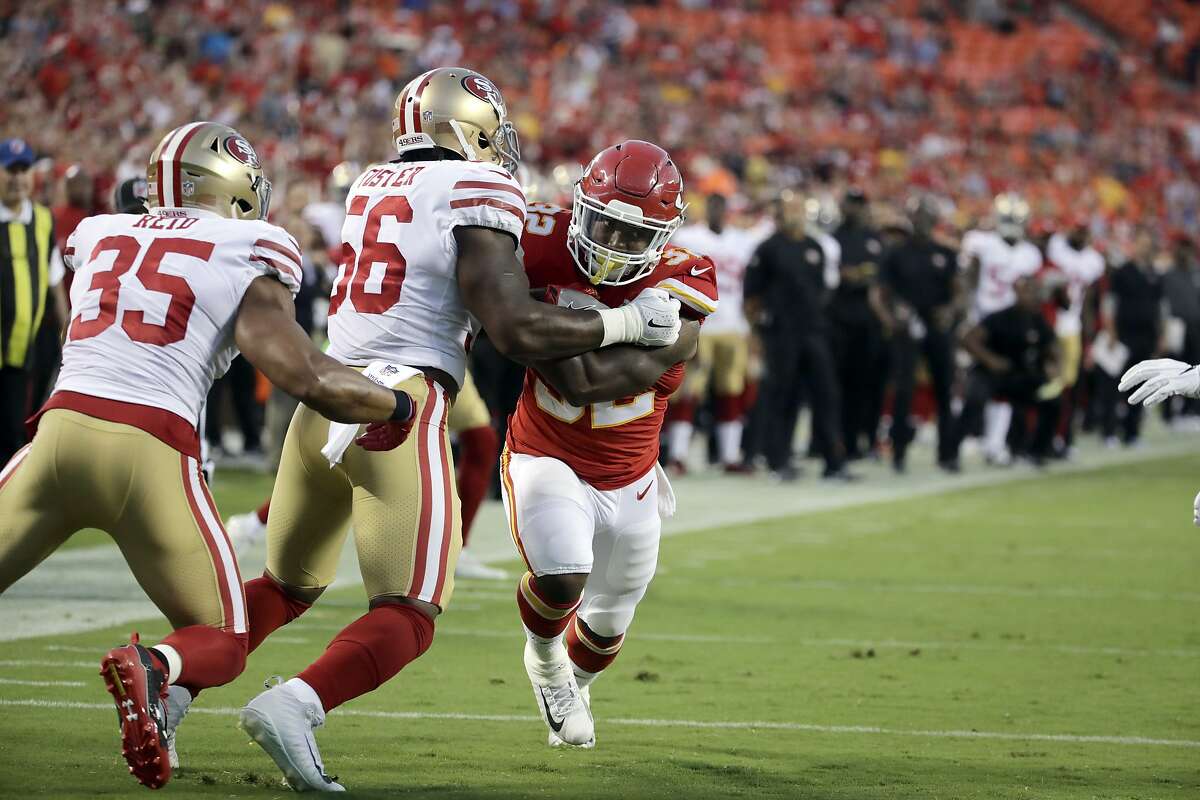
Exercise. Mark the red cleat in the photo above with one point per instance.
(739, 469)
(139, 687)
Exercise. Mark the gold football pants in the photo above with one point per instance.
(403, 503)
(83, 472)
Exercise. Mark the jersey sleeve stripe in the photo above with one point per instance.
(491, 202)
(690, 295)
(500, 187)
(283, 268)
(267, 244)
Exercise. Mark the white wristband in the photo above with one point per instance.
(616, 325)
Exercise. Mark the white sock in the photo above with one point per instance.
(679, 440)
(996, 419)
(729, 441)
(583, 677)
(305, 692)
(546, 649)
(173, 659)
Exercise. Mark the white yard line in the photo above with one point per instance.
(42, 662)
(16, 682)
(862, 643)
(1067, 592)
(91, 588)
(801, 727)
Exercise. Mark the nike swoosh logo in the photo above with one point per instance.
(643, 492)
(555, 724)
(654, 324)
(698, 272)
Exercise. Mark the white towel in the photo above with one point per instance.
(666, 495)
(1109, 354)
(341, 434)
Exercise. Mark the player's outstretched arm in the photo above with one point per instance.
(496, 290)
(268, 335)
(615, 372)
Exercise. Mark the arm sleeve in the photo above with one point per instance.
(275, 252)
(694, 285)
(70, 259)
(487, 197)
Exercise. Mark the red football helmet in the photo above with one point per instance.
(627, 204)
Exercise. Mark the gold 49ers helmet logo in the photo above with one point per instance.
(240, 149)
(485, 90)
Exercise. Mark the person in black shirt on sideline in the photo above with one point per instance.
(1016, 357)
(922, 294)
(856, 313)
(786, 290)
(1134, 316)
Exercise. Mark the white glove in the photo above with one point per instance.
(1160, 378)
(650, 319)
(1196, 511)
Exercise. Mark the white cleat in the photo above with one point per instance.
(558, 698)
(245, 531)
(281, 723)
(179, 700)
(552, 737)
(470, 567)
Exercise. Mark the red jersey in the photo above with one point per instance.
(608, 445)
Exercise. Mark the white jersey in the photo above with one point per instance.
(154, 302)
(327, 218)
(1001, 265)
(731, 250)
(396, 298)
(1081, 268)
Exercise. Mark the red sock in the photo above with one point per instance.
(268, 607)
(727, 408)
(210, 656)
(263, 510)
(681, 409)
(477, 460)
(590, 651)
(749, 395)
(542, 617)
(368, 652)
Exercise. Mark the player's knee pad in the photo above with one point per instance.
(610, 614)
(619, 581)
(549, 515)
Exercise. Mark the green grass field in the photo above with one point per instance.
(1015, 641)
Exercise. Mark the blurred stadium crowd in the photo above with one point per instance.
(898, 123)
